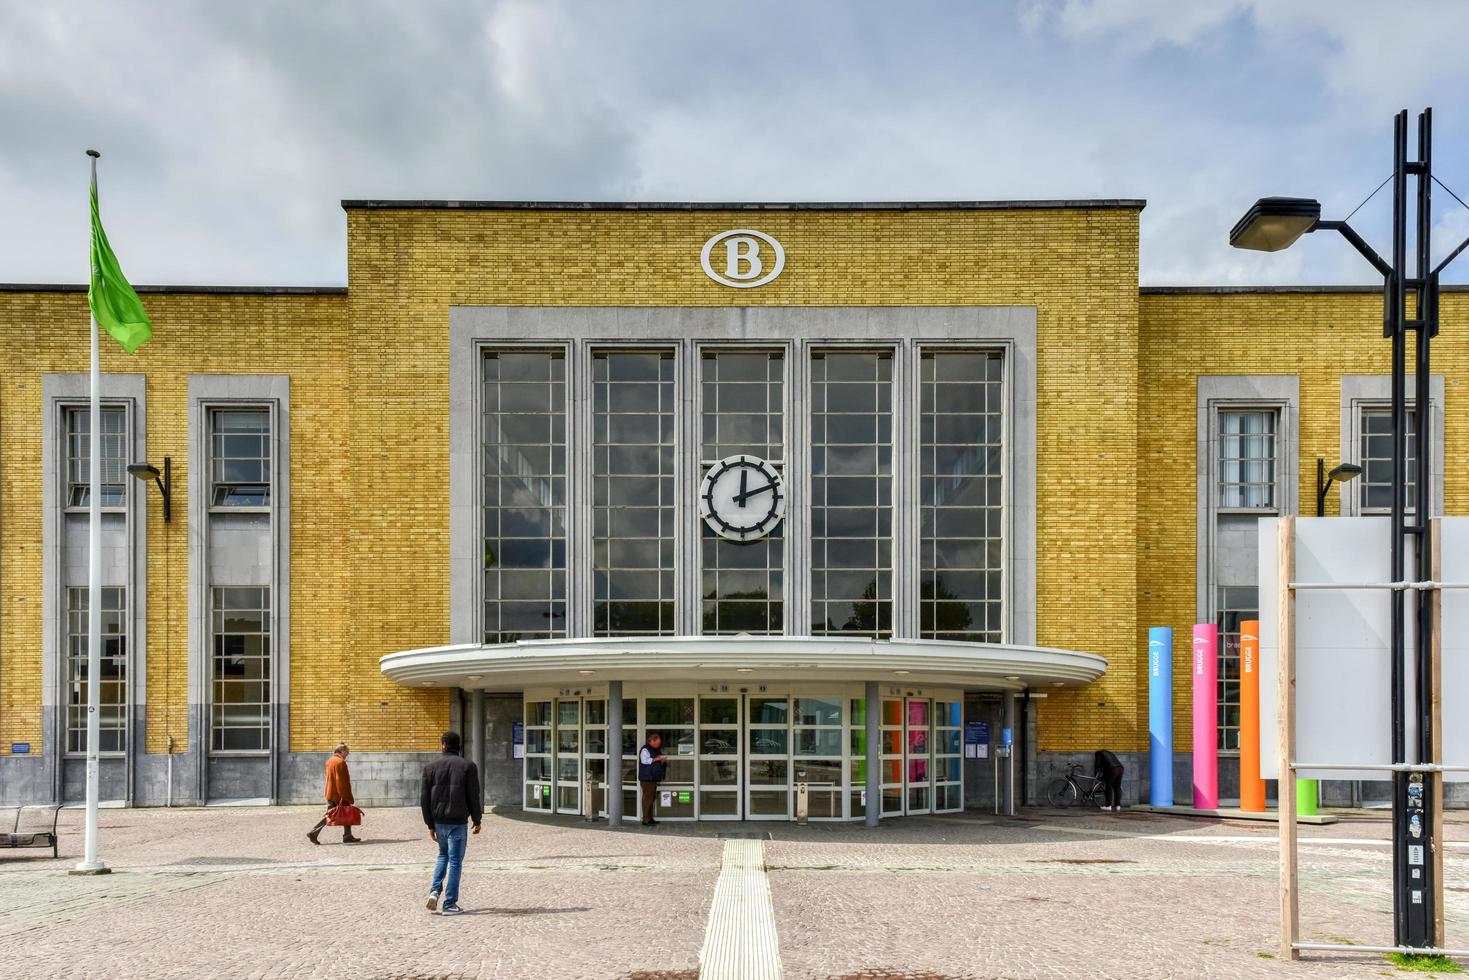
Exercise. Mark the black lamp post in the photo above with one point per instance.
(1275, 223)
(163, 480)
(1344, 473)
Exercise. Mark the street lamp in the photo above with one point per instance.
(1276, 223)
(1345, 473)
(164, 481)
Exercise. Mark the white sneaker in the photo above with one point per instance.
(451, 909)
(432, 902)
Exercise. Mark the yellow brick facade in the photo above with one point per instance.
(1116, 388)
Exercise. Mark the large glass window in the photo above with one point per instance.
(239, 457)
(112, 720)
(79, 457)
(961, 489)
(241, 669)
(1236, 604)
(1376, 481)
(633, 507)
(743, 582)
(1247, 459)
(524, 432)
(851, 493)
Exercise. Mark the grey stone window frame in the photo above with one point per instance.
(1373, 392)
(61, 392)
(1239, 392)
(206, 393)
(907, 329)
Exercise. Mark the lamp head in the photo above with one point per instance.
(1274, 223)
(143, 471)
(1345, 472)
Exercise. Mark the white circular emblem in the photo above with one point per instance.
(742, 498)
(750, 258)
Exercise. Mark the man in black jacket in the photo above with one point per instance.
(450, 796)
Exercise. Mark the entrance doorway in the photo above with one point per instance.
(743, 756)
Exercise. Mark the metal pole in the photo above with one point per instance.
(1396, 295)
(90, 864)
(873, 809)
(1419, 872)
(614, 754)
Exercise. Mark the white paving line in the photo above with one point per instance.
(740, 941)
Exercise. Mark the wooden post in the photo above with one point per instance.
(1285, 713)
(1435, 715)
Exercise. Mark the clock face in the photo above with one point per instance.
(742, 498)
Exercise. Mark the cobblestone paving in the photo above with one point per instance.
(241, 893)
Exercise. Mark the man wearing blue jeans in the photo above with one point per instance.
(450, 796)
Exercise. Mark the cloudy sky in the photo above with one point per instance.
(231, 130)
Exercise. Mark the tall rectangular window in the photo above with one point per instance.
(1236, 604)
(239, 457)
(851, 493)
(1247, 459)
(1375, 484)
(632, 493)
(240, 632)
(743, 582)
(524, 453)
(961, 491)
(79, 457)
(112, 720)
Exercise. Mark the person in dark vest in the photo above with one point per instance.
(652, 764)
(1109, 771)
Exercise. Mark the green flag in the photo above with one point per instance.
(116, 307)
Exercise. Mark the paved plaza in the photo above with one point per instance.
(240, 892)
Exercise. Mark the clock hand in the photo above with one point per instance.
(740, 497)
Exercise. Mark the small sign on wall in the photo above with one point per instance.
(20, 748)
(976, 740)
(517, 740)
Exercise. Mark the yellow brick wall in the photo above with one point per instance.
(1078, 267)
(1318, 336)
(369, 395)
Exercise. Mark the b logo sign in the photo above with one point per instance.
(745, 258)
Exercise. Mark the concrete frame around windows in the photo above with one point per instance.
(1278, 392)
(46, 775)
(798, 331)
(1359, 391)
(240, 775)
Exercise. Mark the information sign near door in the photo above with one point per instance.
(976, 740)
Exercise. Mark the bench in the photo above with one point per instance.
(38, 838)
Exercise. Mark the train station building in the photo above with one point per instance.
(870, 502)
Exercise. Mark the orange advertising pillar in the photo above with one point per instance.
(1251, 786)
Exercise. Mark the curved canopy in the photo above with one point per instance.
(514, 666)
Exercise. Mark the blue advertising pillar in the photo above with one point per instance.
(1160, 715)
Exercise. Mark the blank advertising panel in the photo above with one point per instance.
(1343, 648)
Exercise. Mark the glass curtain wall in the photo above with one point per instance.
(851, 493)
(961, 492)
(743, 583)
(633, 487)
(524, 433)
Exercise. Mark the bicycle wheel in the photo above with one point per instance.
(1062, 793)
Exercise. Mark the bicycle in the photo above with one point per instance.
(1076, 786)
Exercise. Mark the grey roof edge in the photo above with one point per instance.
(1134, 204)
(73, 287)
(1283, 289)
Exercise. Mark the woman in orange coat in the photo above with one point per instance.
(338, 791)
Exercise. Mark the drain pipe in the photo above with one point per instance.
(169, 797)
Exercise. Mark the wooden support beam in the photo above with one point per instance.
(1285, 713)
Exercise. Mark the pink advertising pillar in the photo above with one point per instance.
(1206, 717)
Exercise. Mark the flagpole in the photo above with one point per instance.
(90, 864)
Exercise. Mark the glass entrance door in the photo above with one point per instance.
(918, 756)
(768, 757)
(568, 756)
(719, 758)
